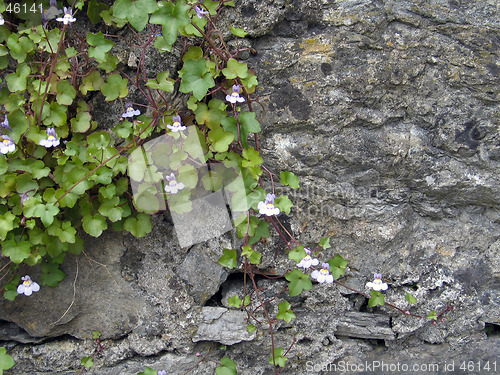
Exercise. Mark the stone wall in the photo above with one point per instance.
(389, 112)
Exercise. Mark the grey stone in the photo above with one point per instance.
(225, 326)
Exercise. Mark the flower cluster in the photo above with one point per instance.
(177, 125)
(28, 286)
(377, 283)
(130, 111)
(268, 208)
(173, 186)
(7, 145)
(68, 16)
(307, 261)
(235, 95)
(51, 140)
(323, 275)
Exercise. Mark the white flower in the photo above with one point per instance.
(173, 186)
(323, 275)
(130, 111)
(235, 95)
(377, 284)
(68, 16)
(267, 208)
(177, 125)
(7, 145)
(28, 286)
(51, 140)
(307, 261)
(2, 21)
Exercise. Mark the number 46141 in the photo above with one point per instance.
(24, 8)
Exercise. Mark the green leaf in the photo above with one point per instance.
(288, 178)
(88, 362)
(297, 254)
(148, 371)
(432, 315)
(81, 123)
(110, 209)
(325, 242)
(242, 225)
(220, 139)
(376, 299)
(227, 367)
(57, 115)
(17, 82)
(298, 282)
(135, 11)
(252, 158)
(238, 32)
(94, 9)
(235, 69)
(66, 93)
(228, 259)
(51, 274)
(139, 226)
(252, 255)
(6, 361)
(46, 213)
(284, 312)
(262, 231)
(337, 266)
(196, 78)
(410, 299)
(284, 204)
(94, 224)
(279, 359)
(171, 17)
(211, 115)
(91, 82)
(100, 46)
(6, 224)
(235, 301)
(115, 87)
(17, 251)
(249, 124)
(162, 82)
(251, 328)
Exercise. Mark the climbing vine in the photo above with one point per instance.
(63, 174)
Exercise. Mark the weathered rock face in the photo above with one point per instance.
(389, 112)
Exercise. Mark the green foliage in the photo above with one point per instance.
(297, 254)
(235, 301)
(136, 12)
(148, 371)
(228, 259)
(279, 358)
(432, 315)
(252, 255)
(288, 178)
(337, 266)
(410, 299)
(6, 361)
(377, 298)
(88, 362)
(227, 367)
(284, 312)
(299, 281)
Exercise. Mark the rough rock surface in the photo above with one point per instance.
(389, 113)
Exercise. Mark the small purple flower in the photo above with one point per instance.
(51, 13)
(267, 208)
(51, 140)
(162, 372)
(323, 275)
(5, 123)
(68, 16)
(157, 34)
(130, 111)
(177, 125)
(200, 12)
(173, 186)
(7, 145)
(27, 287)
(307, 261)
(377, 283)
(235, 95)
